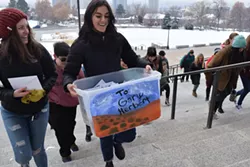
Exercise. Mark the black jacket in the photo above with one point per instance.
(99, 53)
(195, 77)
(43, 68)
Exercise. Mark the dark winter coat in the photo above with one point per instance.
(100, 53)
(228, 78)
(196, 77)
(158, 66)
(246, 70)
(165, 73)
(43, 68)
(186, 61)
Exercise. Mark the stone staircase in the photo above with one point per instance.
(182, 142)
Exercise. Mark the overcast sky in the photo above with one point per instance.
(165, 2)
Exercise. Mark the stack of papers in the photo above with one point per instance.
(29, 82)
(103, 84)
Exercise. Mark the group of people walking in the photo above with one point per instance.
(26, 113)
(234, 50)
(99, 49)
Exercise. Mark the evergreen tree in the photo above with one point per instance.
(166, 21)
(120, 10)
(23, 6)
(175, 23)
(140, 19)
(12, 4)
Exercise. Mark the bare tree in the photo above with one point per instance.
(247, 19)
(73, 10)
(219, 6)
(174, 11)
(237, 15)
(138, 9)
(135, 8)
(198, 10)
(143, 10)
(43, 10)
(61, 11)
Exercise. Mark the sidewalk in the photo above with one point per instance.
(174, 55)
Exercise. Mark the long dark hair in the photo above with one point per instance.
(13, 47)
(151, 52)
(88, 25)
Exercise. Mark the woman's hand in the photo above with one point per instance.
(21, 92)
(71, 90)
(123, 65)
(148, 68)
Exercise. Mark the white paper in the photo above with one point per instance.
(102, 84)
(99, 84)
(30, 82)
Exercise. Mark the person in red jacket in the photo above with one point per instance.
(209, 78)
(63, 106)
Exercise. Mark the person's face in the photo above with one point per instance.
(151, 58)
(61, 61)
(23, 30)
(191, 54)
(100, 19)
(200, 59)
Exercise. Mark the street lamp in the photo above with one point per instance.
(168, 27)
(79, 14)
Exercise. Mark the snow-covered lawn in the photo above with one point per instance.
(145, 37)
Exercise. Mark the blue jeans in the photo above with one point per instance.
(245, 90)
(26, 134)
(107, 143)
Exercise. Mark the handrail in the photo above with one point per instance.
(178, 64)
(221, 68)
(174, 68)
(216, 74)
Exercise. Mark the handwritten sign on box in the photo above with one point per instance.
(124, 108)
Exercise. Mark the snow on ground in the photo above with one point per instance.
(145, 36)
(33, 23)
(49, 47)
(59, 36)
(138, 37)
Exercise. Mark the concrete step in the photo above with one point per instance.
(156, 155)
(220, 137)
(244, 163)
(164, 142)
